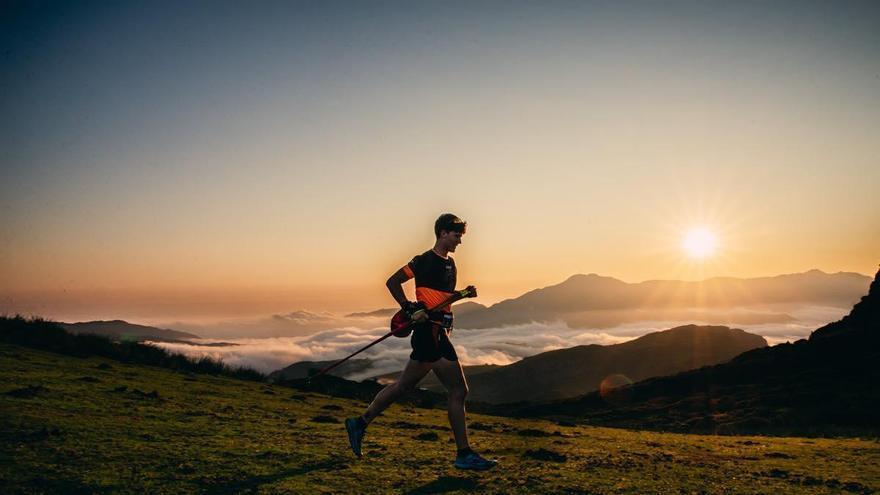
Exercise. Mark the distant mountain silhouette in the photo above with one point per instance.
(593, 300)
(122, 330)
(459, 308)
(578, 370)
(302, 369)
(466, 307)
(826, 384)
(379, 313)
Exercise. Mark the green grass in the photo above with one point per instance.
(68, 426)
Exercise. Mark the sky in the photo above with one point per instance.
(199, 159)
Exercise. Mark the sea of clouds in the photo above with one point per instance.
(334, 337)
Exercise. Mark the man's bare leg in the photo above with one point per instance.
(409, 378)
(451, 376)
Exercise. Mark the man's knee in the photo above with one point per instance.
(459, 393)
(405, 387)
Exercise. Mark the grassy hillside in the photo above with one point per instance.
(123, 330)
(94, 425)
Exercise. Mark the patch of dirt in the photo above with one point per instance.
(545, 455)
(26, 392)
(530, 432)
(145, 395)
(778, 455)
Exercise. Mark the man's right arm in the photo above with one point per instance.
(395, 286)
(416, 311)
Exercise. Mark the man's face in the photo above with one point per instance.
(450, 240)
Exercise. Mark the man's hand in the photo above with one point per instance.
(417, 311)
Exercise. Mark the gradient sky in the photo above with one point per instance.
(298, 152)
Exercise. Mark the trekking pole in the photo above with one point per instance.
(469, 291)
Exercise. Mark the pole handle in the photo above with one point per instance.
(469, 291)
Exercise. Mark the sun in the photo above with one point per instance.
(699, 242)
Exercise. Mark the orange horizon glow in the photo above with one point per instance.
(211, 304)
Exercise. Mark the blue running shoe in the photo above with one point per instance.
(355, 434)
(472, 460)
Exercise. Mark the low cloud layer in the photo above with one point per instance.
(297, 323)
(486, 346)
(499, 346)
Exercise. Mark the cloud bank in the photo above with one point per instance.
(500, 346)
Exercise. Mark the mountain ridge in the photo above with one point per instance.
(595, 300)
(823, 384)
(123, 330)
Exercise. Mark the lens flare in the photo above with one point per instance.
(614, 389)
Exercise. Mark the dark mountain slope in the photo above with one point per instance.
(578, 370)
(824, 385)
(304, 369)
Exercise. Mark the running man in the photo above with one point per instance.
(435, 274)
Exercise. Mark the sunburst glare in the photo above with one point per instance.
(699, 242)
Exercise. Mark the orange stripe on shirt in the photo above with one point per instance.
(432, 297)
(408, 271)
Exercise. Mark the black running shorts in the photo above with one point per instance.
(431, 342)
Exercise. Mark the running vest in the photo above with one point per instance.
(435, 278)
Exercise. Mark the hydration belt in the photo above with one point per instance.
(441, 319)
